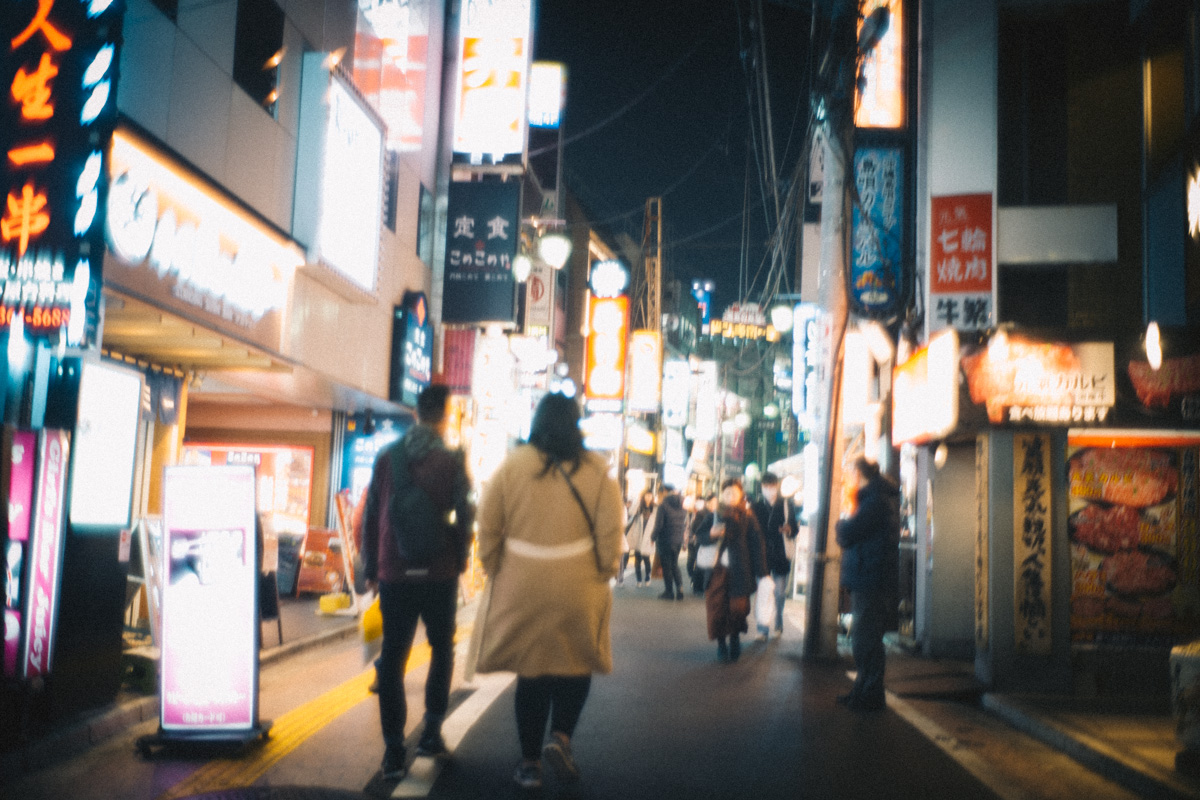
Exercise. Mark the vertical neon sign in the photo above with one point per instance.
(58, 66)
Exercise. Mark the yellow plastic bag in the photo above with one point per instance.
(371, 624)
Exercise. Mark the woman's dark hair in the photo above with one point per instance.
(555, 431)
(646, 500)
(868, 469)
(733, 482)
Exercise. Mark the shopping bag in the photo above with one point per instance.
(370, 625)
(764, 602)
(706, 556)
(485, 602)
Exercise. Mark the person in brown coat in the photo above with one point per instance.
(550, 526)
(742, 561)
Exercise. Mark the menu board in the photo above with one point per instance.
(1135, 559)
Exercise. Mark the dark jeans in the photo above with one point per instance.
(672, 578)
(638, 558)
(402, 604)
(556, 698)
(866, 644)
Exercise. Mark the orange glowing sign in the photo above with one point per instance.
(41, 22)
(25, 217)
(608, 322)
(925, 392)
(880, 104)
(32, 89)
(31, 154)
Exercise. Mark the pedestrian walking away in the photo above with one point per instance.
(869, 537)
(549, 540)
(670, 529)
(638, 534)
(740, 563)
(416, 540)
(775, 517)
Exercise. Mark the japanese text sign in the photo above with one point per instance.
(45, 554)
(1032, 536)
(492, 79)
(608, 324)
(481, 242)
(878, 231)
(58, 65)
(412, 349)
(961, 264)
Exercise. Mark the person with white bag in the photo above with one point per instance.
(774, 514)
(739, 563)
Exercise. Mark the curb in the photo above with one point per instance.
(1092, 753)
(74, 738)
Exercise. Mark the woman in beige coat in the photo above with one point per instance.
(550, 540)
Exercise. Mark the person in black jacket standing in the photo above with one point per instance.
(669, 530)
(774, 514)
(869, 540)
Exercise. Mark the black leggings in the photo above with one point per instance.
(556, 698)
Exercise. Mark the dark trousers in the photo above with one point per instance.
(638, 558)
(556, 698)
(668, 556)
(402, 604)
(866, 644)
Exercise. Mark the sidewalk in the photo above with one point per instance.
(303, 628)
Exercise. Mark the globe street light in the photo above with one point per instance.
(554, 249)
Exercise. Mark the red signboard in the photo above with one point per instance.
(961, 268)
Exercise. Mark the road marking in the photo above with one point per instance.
(287, 733)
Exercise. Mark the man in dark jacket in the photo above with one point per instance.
(869, 539)
(774, 514)
(669, 530)
(416, 567)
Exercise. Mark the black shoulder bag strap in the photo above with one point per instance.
(582, 507)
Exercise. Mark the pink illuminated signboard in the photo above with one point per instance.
(209, 667)
(45, 554)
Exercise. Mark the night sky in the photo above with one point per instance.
(658, 105)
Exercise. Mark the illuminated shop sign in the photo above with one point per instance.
(702, 292)
(110, 403)
(880, 102)
(676, 390)
(179, 241)
(391, 51)
(481, 243)
(608, 323)
(878, 232)
(209, 615)
(744, 321)
(339, 175)
(490, 87)
(45, 555)
(58, 70)
(1024, 380)
(412, 349)
(601, 431)
(925, 392)
(705, 409)
(547, 82)
(961, 263)
(645, 370)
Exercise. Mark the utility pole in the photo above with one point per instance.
(836, 87)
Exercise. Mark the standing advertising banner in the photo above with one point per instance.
(209, 666)
(1032, 528)
(962, 274)
(17, 480)
(876, 288)
(45, 554)
(481, 243)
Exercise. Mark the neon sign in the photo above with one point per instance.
(59, 65)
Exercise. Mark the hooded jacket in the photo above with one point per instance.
(671, 525)
(443, 475)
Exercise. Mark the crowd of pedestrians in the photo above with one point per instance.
(544, 613)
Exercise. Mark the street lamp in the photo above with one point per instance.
(554, 249)
(521, 267)
(781, 318)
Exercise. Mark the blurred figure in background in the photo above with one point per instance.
(639, 533)
(774, 515)
(706, 512)
(670, 528)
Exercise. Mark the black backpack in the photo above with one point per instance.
(420, 529)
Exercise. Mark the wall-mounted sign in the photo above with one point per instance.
(539, 296)
(702, 291)
(1022, 380)
(876, 273)
(391, 50)
(962, 279)
(880, 101)
(744, 321)
(44, 568)
(705, 407)
(676, 390)
(601, 431)
(925, 392)
(645, 370)
(110, 404)
(806, 344)
(547, 86)
(339, 175)
(209, 615)
(481, 242)
(178, 241)
(608, 324)
(412, 349)
(1032, 538)
(490, 87)
(58, 73)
